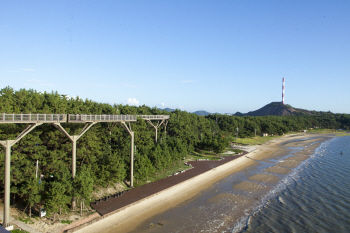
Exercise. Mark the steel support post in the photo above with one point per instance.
(156, 126)
(74, 155)
(7, 179)
(7, 183)
(74, 139)
(132, 161)
(156, 133)
(131, 152)
(166, 122)
(74, 164)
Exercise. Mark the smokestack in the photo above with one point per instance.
(283, 91)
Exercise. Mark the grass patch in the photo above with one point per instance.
(343, 134)
(66, 222)
(26, 220)
(202, 154)
(237, 151)
(322, 131)
(19, 231)
(255, 140)
(177, 166)
(338, 133)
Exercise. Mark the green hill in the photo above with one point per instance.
(279, 109)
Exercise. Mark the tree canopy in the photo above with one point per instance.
(103, 153)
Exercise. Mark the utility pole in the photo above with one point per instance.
(255, 132)
(237, 134)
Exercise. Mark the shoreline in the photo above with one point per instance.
(132, 217)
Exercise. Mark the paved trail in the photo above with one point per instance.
(134, 195)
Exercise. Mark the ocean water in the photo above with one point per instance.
(315, 197)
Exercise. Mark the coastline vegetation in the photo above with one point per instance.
(103, 153)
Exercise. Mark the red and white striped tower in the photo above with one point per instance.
(283, 91)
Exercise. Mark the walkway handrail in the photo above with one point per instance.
(76, 118)
(154, 117)
(32, 118)
(73, 118)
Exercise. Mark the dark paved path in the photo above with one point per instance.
(104, 207)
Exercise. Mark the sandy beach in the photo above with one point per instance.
(136, 216)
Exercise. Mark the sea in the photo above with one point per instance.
(312, 197)
(315, 197)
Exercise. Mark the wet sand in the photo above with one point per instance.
(264, 178)
(145, 216)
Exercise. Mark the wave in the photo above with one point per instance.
(292, 178)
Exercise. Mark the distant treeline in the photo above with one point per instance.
(103, 152)
(278, 125)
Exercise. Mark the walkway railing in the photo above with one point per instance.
(154, 117)
(73, 118)
(32, 118)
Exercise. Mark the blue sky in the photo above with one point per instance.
(218, 56)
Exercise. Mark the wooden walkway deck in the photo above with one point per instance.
(104, 207)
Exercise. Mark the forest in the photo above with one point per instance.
(103, 152)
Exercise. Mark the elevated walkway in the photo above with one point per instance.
(35, 120)
(154, 117)
(32, 118)
(73, 118)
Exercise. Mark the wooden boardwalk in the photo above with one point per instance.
(104, 207)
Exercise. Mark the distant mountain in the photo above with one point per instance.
(168, 109)
(202, 113)
(273, 108)
(277, 109)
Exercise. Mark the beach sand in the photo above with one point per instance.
(264, 178)
(136, 216)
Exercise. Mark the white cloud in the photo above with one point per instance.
(133, 101)
(161, 105)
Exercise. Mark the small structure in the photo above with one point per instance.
(42, 212)
(264, 134)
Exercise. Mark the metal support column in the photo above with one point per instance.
(74, 155)
(131, 151)
(132, 161)
(156, 126)
(74, 139)
(165, 123)
(7, 144)
(157, 133)
(7, 183)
